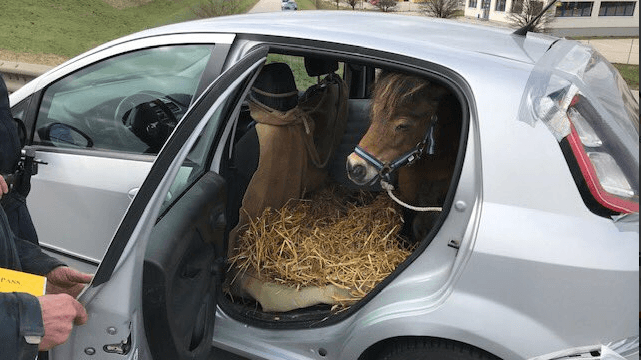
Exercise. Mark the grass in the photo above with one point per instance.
(297, 64)
(630, 74)
(306, 4)
(70, 27)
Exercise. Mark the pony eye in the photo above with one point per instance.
(402, 127)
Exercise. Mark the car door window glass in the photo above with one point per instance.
(129, 103)
(297, 63)
(197, 161)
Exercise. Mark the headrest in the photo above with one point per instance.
(275, 87)
(319, 66)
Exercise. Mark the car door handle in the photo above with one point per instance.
(132, 193)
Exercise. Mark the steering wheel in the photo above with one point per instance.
(134, 114)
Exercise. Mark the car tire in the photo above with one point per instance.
(432, 349)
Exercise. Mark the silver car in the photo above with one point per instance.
(289, 5)
(534, 255)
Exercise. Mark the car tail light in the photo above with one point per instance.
(604, 178)
(588, 107)
(610, 175)
(594, 153)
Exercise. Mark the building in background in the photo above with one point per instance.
(572, 18)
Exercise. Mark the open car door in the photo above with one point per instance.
(153, 295)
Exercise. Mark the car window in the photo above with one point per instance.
(129, 103)
(199, 157)
(195, 164)
(297, 64)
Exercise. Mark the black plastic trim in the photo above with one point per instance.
(213, 68)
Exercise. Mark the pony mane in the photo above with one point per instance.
(396, 93)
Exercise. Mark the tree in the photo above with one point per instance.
(352, 3)
(440, 8)
(385, 5)
(524, 11)
(213, 8)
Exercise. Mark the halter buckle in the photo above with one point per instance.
(385, 173)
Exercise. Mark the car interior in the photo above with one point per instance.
(167, 279)
(245, 154)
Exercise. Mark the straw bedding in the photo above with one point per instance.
(350, 240)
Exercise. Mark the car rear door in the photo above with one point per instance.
(153, 295)
(95, 164)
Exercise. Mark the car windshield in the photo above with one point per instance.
(177, 61)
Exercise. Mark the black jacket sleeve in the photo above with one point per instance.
(33, 260)
(9, 140)
(20, 316)
(22, 255)
(14, 203)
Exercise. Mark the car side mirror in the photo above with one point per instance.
(63, 135)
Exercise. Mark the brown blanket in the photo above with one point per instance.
(295, 147)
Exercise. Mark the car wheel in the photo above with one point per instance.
(432, 349)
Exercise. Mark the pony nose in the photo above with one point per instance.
(356, 172)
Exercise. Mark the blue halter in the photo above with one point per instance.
(385, 170)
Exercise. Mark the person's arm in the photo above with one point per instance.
(9, 140)
(60, 278)
(4, 188)
(33, 260)
(30, 324)
(22, 327)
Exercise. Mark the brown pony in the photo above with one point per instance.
(413, 117)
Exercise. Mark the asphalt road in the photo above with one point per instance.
(266, 6)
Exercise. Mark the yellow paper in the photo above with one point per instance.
(17, 281)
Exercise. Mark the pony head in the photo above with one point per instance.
(402, 118)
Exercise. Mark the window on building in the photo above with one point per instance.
(574, 9)
(472, 3)
(617, 8)
(500, 5)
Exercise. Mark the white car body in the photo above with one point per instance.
(520, 267)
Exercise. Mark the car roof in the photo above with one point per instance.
(416, 36)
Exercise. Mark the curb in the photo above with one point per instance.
(16, 74)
